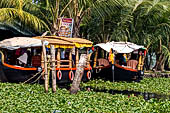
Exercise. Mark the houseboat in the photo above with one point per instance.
(21, 58)
(127, 63)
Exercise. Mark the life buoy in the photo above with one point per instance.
(59, 75)
(71, 75)
(89, 75)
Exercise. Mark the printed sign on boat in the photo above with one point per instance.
(66, 27)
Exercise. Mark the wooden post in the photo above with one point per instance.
(95, 58)
(42, 60)
(70, 59)
(79, 74)
(88, 59)
(45, 68)
(77, 57)
(58, 58)
(52, 49)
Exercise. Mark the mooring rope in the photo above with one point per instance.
(37, 78)
(31, 77)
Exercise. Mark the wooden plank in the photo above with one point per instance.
(64, 66)
(58, 58)
(95, 58)
(64, 60)
(77, 57)
(70, 59)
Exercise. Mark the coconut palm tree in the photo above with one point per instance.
(15, 11)
(143, 22)
(43, 15)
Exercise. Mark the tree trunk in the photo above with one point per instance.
(45, 68)
(78, 75)
(76, 27)
(53, 68)
(160, 62)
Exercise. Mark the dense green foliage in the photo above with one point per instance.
(31, 98)
(145, 22)
(151, 85)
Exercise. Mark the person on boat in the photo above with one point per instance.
(62, 54)
(23, 58)
(111, 56)
(123, 59)
(29, 57)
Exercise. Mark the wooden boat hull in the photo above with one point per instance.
(19, 74)
(65, 76)
(120, 73)
(15, 75)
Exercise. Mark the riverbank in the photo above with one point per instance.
(158, 85)
(165, 74)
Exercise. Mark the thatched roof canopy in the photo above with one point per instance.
(64, 42)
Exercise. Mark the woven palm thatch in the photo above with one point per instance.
(64, 42)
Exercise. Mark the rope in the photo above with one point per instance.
(31, 77)
(37, 78)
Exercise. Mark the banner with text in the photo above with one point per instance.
(66, 27)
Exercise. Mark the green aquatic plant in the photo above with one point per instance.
(151, 85)
(31, 98)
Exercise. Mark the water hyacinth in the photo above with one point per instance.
(151, 85)
(31, 98)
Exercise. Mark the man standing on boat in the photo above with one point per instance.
(111, 60)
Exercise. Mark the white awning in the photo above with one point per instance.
(21, 42)
(120, 47)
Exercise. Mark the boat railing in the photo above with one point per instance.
(2, 57)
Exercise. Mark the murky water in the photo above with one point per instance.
(145, 95)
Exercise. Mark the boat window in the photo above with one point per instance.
(35, 57)
(24, 57)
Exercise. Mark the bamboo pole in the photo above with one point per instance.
(70, 59)
(95, 58)
(77, 57)
(42, 60)
(52, 49)
(45, 68)
(88, 59)
(58, 58)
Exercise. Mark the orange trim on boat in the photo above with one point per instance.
(20, 68)
(129, 69)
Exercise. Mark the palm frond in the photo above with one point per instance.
(26, 19)
(166, 53)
